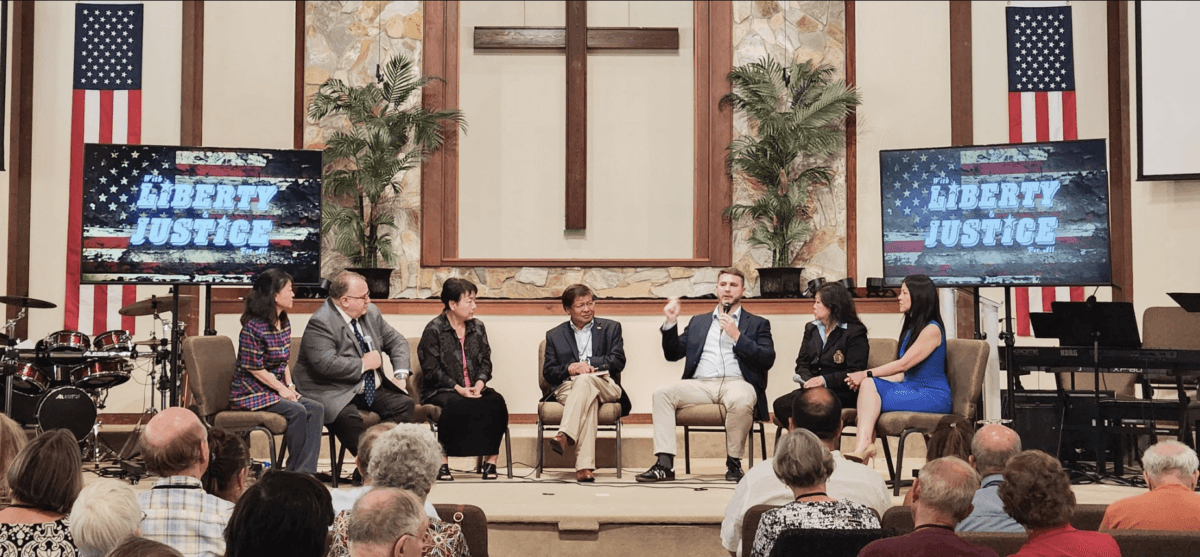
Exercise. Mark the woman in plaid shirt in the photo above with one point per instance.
(263, 380)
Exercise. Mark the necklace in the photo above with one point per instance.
(813, 494)
(942, 526)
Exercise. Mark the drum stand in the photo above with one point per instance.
(9, 330)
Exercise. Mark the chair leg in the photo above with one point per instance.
(537, 472)
(750, 439)
(687, 451)
(335, 469)
(619, 463)
(887, 456)
(508, 451)
(762, 438)
(900, 462)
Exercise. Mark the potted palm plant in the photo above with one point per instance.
(389, 134)
(795, 116)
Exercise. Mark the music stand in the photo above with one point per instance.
(1187, 301)
(1045, 325)
(1108, 324)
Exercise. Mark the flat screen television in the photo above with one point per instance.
(190, 215)
(1029, 214)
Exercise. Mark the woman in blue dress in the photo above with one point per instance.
(916, 380)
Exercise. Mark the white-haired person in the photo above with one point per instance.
(1170, 470)
(407, 457)
(804, 464)
(105, 514)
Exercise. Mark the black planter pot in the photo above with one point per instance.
(779, 282)
(379, 281)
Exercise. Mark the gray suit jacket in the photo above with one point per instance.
(329, 368)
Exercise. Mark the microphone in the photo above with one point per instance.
(727, 307)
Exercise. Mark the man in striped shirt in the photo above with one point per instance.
(178, 511)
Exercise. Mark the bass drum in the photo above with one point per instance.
(69, 408)
(102, 374)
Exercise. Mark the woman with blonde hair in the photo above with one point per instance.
(12, 440)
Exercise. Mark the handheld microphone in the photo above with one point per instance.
(727, 307)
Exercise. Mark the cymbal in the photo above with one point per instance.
(146, 307)
(27, 302)
(149, 342)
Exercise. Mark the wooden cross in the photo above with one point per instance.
(576, 39)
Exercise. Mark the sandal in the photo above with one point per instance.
(444, 474)
(489, 471)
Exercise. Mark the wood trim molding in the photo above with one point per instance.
(962, 111)
(713, 236)
(298, 98)
(191, 115)
(1119, 168)
(852, 150)
(229, 300)
(20, 186)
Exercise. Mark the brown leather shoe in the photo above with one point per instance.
(584, 476)
(558, 442)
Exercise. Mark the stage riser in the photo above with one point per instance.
(608, 540)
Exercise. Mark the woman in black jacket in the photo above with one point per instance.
(457, 362)
(835, 343)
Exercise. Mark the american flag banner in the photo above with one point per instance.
(1041, 107)
(106, 108)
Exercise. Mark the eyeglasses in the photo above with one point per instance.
(144, 516)
(365, 297)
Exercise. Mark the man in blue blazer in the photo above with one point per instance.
(582, 365)
(729, 352)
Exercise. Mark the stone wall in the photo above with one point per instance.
(347, 39)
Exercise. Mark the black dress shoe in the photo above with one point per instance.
(656, 473)
(733, 471)
(489, 472)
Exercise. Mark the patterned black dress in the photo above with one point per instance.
(45, 539)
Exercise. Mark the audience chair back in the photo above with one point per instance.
(209, 362)
(804, 542)
(550, 414)
(966, 363)
(473, 522)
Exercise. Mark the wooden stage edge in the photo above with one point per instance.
(119, 418)
(229, 301)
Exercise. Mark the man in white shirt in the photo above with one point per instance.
(819, 411)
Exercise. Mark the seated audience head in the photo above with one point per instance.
(105, 514)
(580, 303)
(992, 447)
(951, 437)
(47, 473)
(228, 465)
(284, 513)
(802, 460)
(407, 457)
(366, 443)
(1170, 462)
(12, 440)
(349, 292)
(839, 302)
(818, 410)
(945, 486)
(457, 291)
(175, 443)
(1036, 491)
(142, 547)
(387, 522)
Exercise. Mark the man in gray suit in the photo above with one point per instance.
(340, 363)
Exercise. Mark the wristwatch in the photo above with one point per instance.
(870, 373)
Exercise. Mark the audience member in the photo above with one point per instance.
(263, 379)
(951, 437)
(229, 469)
(727, 353)
(105, 514)
(142, 547)
(818, 410)
(1037, 493)
(178, 511)
(407, 457)
(284, 514)
(991, 449)
(12, 440)
(941, 498)
(1170, 470)
(387, 522)
(582, 364)
(805, 464)
(457, 361)
(45, 479)
(343, 499)
(341, 361)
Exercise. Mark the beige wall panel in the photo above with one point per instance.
(903, 53)
(249, 74)
(512, 163)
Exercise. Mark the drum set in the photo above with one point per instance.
(67, 375)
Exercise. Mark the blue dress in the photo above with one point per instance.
(924, 388)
